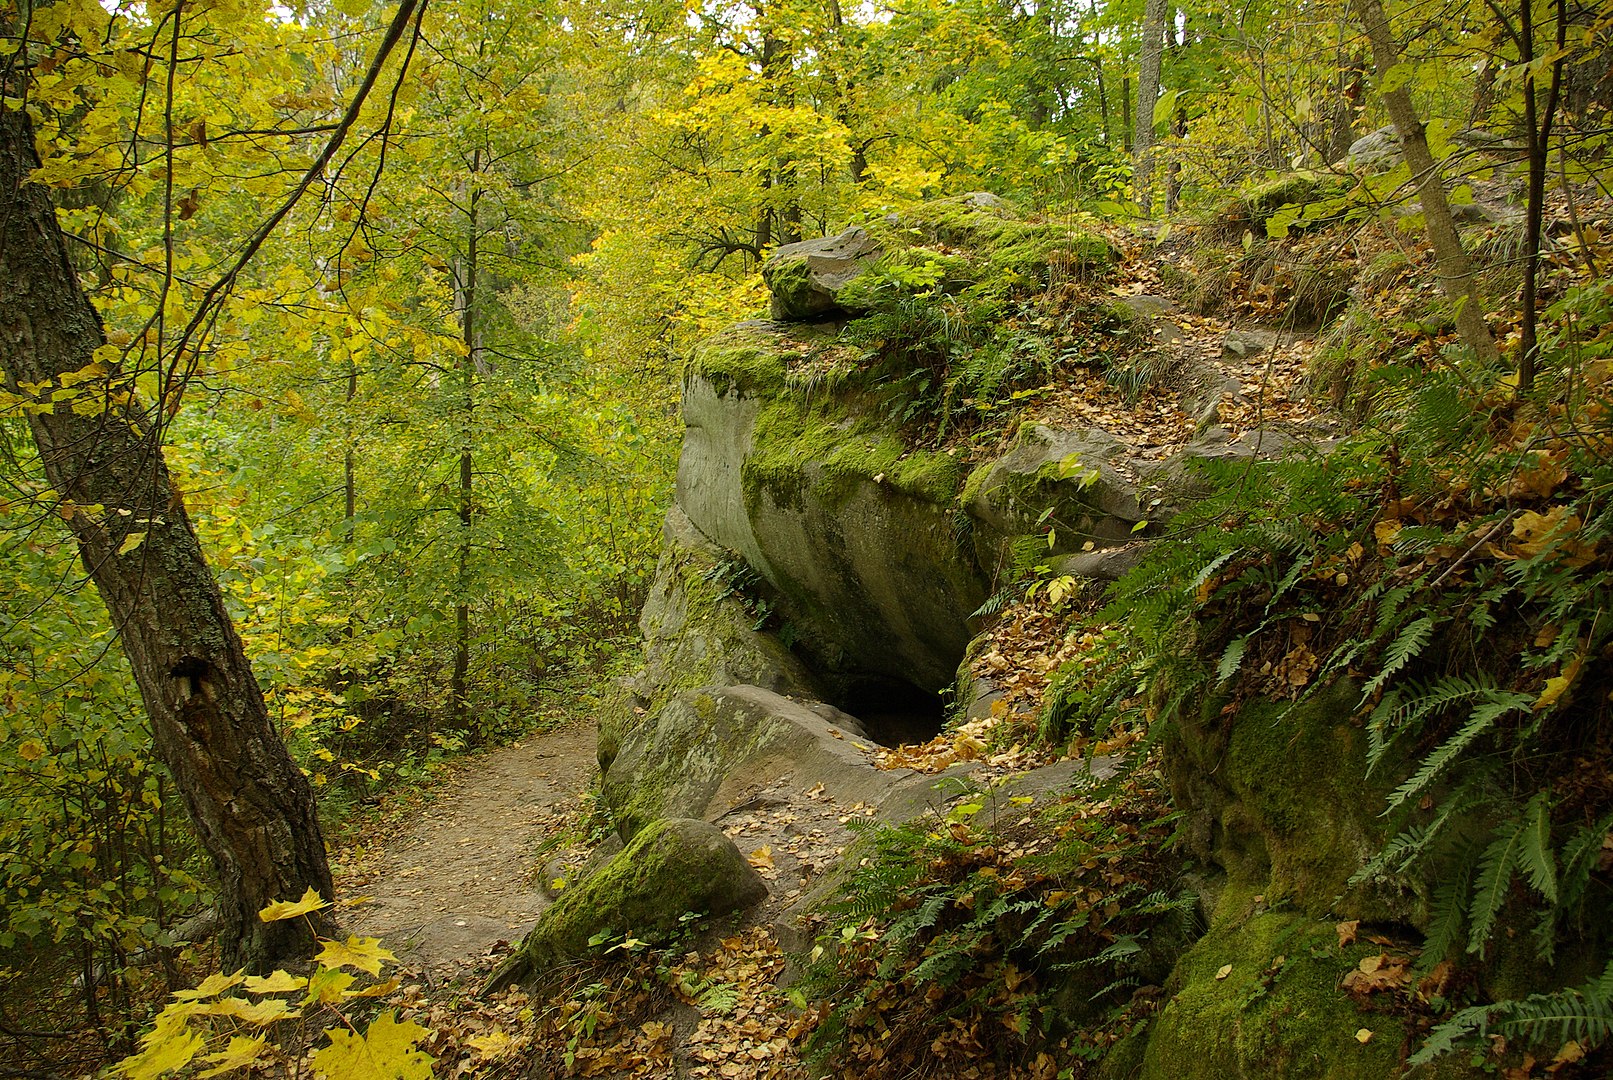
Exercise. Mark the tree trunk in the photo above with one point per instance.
(1452, 267)
(458, 686)
(252, 807)
(1537, 122)
(1148, 67)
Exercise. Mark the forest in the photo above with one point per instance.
(350, 353)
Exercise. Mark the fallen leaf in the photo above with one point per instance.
(1226, 969)
(1347, 931)
(1364, 1035)
(761, 858)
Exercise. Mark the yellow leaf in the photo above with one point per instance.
(1226, 969)
(281, 909)
(211, 986)
(130, 542)
(761, 858)
(1364, 1035)
(165, 1051)
(253, 1012)
(493, 1044)
(1558, 685)
(241, 1052)
(31, 750)
(328, 985)
(380, 989)
(274, 982)
(385, 1052)
(1386, 531)
(365, 954)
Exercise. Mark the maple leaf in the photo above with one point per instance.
(241, 1052)
(211, 986)
(274, 983)
(384, 1052)
(253, 1012)
(165, 1051)
(283, 909)
(761, 858)
(366, 954)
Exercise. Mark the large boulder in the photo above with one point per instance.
(806, 278)
(1070, 485)
(854, 532)
(704, 748)
(1261, 998)
(698, 630)
(1281, 803)
(673, 867)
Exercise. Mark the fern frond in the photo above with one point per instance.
(1535, 855)
(1405, 648)
(1583, 1014)
(1478, 722)
(1497, 867)
(1445, 926)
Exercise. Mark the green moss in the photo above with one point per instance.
(1302, 797)
(798, 450)
(1256, 203)
(669, 868)
(743, 358)
(1261, 999)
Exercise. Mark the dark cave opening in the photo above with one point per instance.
(894, 712)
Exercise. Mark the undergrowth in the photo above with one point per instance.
(1451, 564)
(1004, 935)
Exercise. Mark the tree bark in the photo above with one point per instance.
(252, 807)
(1149, 62)
(469, 297)
(1457, 278)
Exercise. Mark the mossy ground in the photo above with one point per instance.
(1260, 998)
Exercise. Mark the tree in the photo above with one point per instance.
(1457, 277)
(101, 447)
(252, 807)
(1148, 68)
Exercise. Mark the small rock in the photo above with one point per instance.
(1246, 343)
(806, 278)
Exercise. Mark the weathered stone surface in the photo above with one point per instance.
(678, 763)
(1104, 564)
(1260, 999)
(673, 866)
(1282, 803)
(1246, 343)
(806, 278)
(1073, 473)
(1376, 151)
(695, 635)
(854, 533)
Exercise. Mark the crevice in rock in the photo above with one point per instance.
(893, 712)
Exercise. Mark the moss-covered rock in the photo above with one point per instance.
(1261, 998)
(705, 745)
(1280, 799)
(807, 278)
(1063, 481)
(1257, 203)
(673, 867)
(853, 529)
(697, 632)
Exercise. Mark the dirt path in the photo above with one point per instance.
(461, 877)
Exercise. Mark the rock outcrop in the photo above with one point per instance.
(827, 551)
